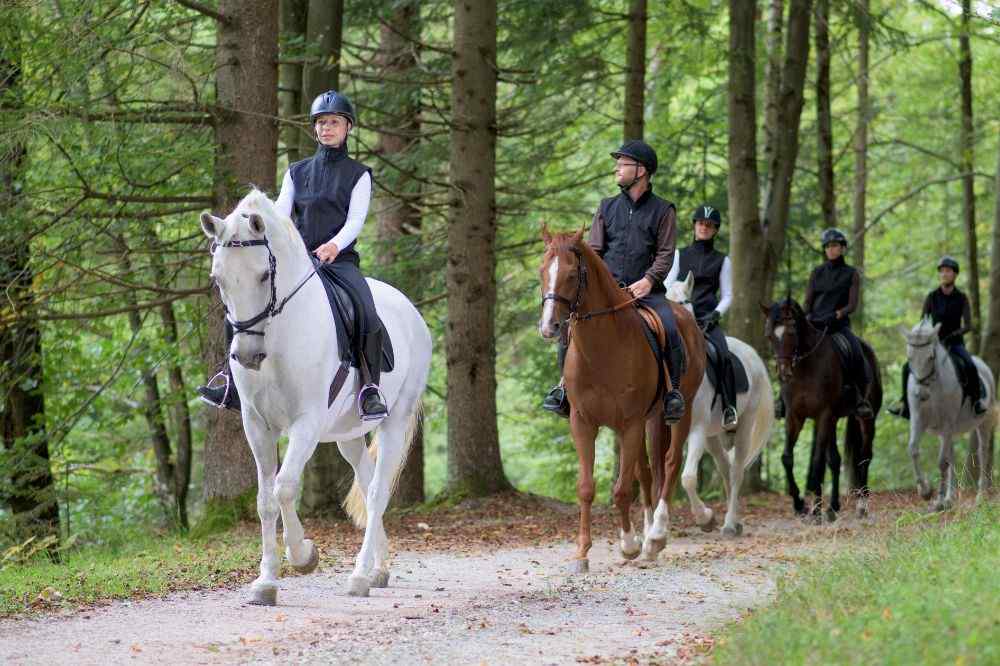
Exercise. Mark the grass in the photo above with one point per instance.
(147, 565)
(925, 595)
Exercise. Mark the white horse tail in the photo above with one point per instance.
(354, 503)
(763, 416)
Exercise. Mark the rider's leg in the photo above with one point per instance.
(556, 400)
(859, 376)
(224, 393)
(727, 381)
(673, 401)
(971, 377)
(903, 408)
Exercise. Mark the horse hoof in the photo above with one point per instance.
(265, 595)
(380, 579)
(311, 563)
(734, 531)
(651, 548)
(799, 505)
(831, 516)
(710, 525)
(630, 555)
(925, 491)
(579, 566)
(357, 586)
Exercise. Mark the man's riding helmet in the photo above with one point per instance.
(706, 212)
(641, 152)
(948, 262)
(332, 102)
(831, 236)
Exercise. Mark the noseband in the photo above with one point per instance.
(273, 307)
(794, 359)
(925, 380)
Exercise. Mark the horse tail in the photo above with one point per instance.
(853, 441)
(354, 503)
(763, 421)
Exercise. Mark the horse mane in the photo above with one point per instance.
(598, 271)
(924, 327)
(257, 202)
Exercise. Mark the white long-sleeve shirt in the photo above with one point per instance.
(725, 281)
(357, 209)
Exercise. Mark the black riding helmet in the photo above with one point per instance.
(948, 262)
(831, 236)
(706, 212)
(332, 102)
(641, 152)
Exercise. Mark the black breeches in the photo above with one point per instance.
(971, 373)
(860, 373)
(718, 338)
(347, 274)
(658, 302)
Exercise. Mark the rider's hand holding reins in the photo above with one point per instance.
(641, 288)
(327, 252)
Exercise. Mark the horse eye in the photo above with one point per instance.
(263, 277)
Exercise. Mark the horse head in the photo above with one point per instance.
(246, 246)
(785, 325)
(680, 292)
(563, 280)
(921, 352)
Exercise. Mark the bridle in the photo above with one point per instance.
(925, 380)
(796, 357)
(273, 307)
(581, 286)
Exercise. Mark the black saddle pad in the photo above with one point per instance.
(843, 347)
(343, 307)
(714, 368)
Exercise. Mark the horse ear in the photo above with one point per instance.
(211, 225)
(546, 235)
(257, 224)
(765, 310)
(688, 282)
(937, 328)
(578, 236)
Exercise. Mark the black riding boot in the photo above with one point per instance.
(225, 395)
(371, 404)
(902, 408)
(976, 392)
(673, 401)
(555, 400)
(730, 418)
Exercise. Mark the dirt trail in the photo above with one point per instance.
(470, 605)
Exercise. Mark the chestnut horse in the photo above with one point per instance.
(611, 380)
(812, 380)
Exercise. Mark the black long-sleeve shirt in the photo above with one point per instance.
(952, 311)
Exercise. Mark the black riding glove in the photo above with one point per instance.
(710, 320)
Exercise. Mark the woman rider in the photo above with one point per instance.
(713, 273)
(327, 195)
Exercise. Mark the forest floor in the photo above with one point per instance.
(484, 582)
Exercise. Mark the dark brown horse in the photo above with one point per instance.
(812, 382)
(611, 380)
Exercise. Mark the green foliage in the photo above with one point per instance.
(924, 598)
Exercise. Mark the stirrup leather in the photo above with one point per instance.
(361, 395)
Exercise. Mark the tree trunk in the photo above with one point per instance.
(635, 73)
(327, 475)
(989, 349)
(398, 216)
(23, 435)
(968, 179)
(779, 186)
(474, 464)
(246, 152)
(324, 33)
(824, 124)
(772, 79)
(860, 204)
(747, 235)
(293, 25)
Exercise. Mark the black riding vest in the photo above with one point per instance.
(705, 262)
(832, 290)
(631, 231)
(947, 310)
(323, 186)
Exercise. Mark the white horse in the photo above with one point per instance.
(732, 452)
(283, 365)
(935, 398)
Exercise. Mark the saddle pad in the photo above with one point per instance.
(343, 308)
(713, 370)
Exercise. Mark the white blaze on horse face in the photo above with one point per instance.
(779, 332)
(549, 307)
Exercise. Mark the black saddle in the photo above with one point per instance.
(714, 370)
(844, 351)
(343, 306)
(966, 374)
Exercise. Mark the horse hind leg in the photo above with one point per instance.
(630, 445)
(655, 536)
(362, 461)
(643, 472)
(946, 464)
(733, 527)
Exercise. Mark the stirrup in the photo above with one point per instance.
(361, 396)
(225, 395)
(730, 419)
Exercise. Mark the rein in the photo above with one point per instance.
(273, 307)
(574, 305)
(796, 357)
(923, 381)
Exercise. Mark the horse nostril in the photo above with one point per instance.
(259, 358)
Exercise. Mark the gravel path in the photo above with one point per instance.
(500, 606)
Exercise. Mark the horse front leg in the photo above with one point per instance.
(302, 440)
(264, 445)
(817, 463)
(793, 426)
(703, 515)
(833, 461)
(916, 430)
(734, 471)
(630, 443)
(584, 435)
(946, 463)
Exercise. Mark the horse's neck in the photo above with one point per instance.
(605, 334)
(945, 369)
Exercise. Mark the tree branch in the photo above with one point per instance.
(207, 11)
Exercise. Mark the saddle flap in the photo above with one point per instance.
(714, 368)
(654, 324)
(344, 312)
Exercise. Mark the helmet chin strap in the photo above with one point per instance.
(636, 179)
